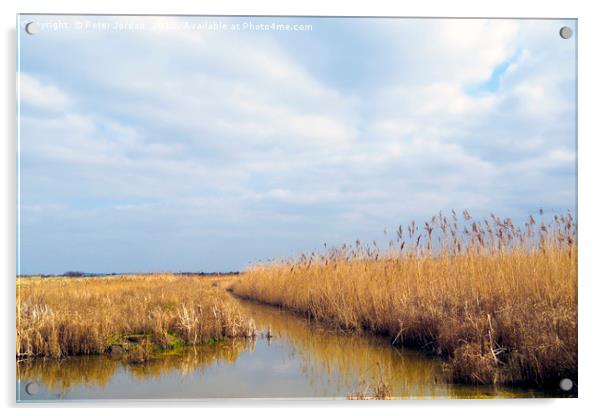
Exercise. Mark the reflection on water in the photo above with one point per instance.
(91, 377)
(298, 360)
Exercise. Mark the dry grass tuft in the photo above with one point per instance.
(380, 389)
(497, 300)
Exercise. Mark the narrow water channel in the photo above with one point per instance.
(297, 360)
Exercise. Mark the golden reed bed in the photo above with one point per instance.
(66, 316)
(499, 301)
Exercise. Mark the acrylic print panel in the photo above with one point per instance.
(293, 207)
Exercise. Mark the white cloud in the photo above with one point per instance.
(451, 50)
(42, 95)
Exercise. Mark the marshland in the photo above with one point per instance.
(453, 307)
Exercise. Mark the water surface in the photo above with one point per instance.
(299, 360)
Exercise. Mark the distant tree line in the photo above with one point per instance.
(75, 273)
(206, 273)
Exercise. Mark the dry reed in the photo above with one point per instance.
(66, 316)
(498, 301)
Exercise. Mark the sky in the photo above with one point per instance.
(190, 144)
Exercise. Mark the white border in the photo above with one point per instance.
(590, 209)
